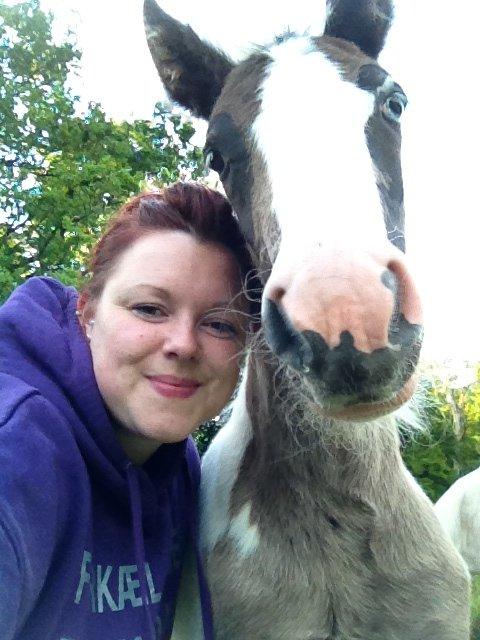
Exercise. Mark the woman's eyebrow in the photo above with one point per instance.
(143, 287)
(148, 288)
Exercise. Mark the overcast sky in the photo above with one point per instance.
(432, 52)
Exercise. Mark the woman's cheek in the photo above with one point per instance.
(228, 357)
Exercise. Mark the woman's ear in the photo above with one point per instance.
(85, 313)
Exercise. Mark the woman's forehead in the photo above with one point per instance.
(174, 262)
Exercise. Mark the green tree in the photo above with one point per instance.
(450, 446)
(205, 433)
(63, 174)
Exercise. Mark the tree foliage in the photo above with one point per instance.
(205, 434)
(443, 454)
(62, 174)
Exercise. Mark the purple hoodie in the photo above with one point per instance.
(90, 544)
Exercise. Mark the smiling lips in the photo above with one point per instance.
(173, 387)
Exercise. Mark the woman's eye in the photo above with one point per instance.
(148, 311)
(394, 106)
(214, 161)
(220, 329)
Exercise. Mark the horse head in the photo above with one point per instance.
(305, 136)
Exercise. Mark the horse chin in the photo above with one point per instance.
(365, 411)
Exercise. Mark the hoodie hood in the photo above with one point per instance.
(42, 344)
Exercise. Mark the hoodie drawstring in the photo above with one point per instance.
(136, 510)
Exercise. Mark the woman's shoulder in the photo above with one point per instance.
(15, 392)
(28, 421)
(35, 491)
(30, 451)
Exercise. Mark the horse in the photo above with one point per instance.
(458, 511)
(311, 526)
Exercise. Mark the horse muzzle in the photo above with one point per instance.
(351, 324)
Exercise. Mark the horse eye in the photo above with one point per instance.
(394, 106)
(214, 160)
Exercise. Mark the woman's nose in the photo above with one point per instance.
(180, 340)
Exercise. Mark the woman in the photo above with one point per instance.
(99, 393)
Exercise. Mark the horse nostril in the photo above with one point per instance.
(407, 299)
(276, 294)
(390, 280)
(284, 340)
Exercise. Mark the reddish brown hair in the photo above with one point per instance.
(185, 206)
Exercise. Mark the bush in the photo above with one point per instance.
(450, 447)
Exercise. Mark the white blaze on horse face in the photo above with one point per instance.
(311, 134)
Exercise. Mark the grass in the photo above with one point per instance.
(476, 608)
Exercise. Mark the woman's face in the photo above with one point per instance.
(166, 336)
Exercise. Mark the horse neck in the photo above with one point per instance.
(289, 437)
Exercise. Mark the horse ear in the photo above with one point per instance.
(192, 71)
(363, 22)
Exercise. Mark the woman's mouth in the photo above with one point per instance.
(174, 387)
